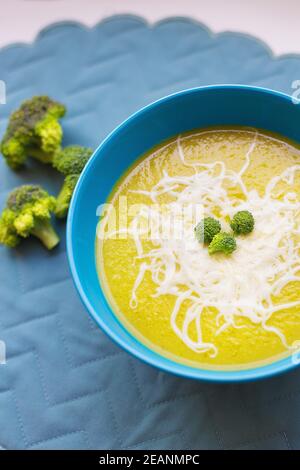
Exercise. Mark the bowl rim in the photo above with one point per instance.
(158, 360)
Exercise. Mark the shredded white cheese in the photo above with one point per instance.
(244, 284)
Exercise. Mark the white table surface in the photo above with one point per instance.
(274, 21)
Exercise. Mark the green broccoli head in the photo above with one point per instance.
(28, 212)
(207, 229)
(69, 161)
(242, 223)
(33, 130)
(222, 243)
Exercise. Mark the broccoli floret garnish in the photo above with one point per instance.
(207, 229)
(242, 223)
(33, 130)
(222, 243)
(28, 211)
(69, 161)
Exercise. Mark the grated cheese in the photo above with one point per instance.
(242, 285)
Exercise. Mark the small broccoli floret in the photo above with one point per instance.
(242, 223)
(222, 243)
(207, 229)
(33, 130)
(72, 159)
(28, 211)
(69, 161)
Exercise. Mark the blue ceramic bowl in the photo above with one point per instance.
(180, 112)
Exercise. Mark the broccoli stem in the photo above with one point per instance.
(44, 231)
(65, 195)
(62, 203)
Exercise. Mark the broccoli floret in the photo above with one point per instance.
(222, 243)
(207, 229)
(69, 161)
(27, 212)
(242, 223)
(33, 130)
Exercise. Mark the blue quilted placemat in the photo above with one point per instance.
(65, 384)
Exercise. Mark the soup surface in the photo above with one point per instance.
(229, 311)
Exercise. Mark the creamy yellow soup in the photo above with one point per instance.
(209, 311)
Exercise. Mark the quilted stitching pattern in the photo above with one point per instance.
(61, 385)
